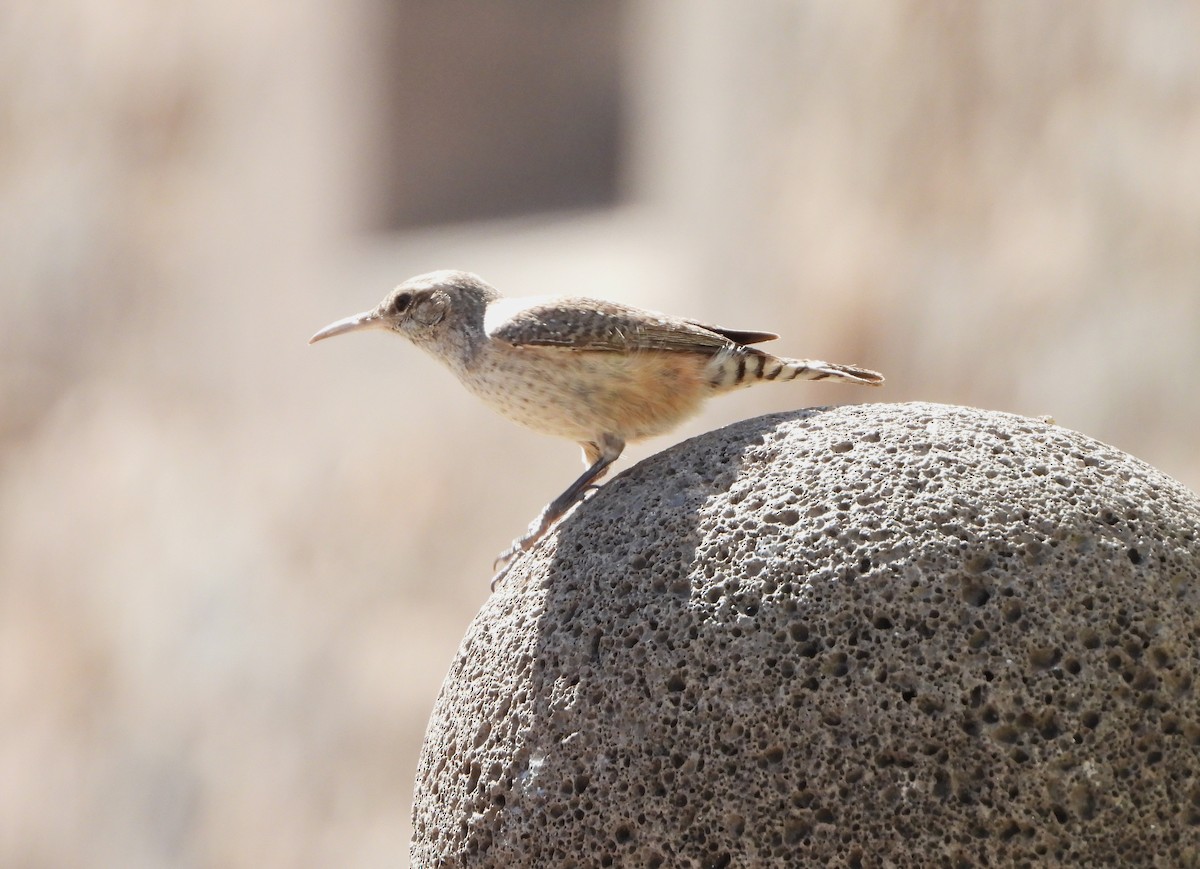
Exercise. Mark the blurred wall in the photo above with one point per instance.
(233, 568)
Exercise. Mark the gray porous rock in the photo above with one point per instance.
(877, 635)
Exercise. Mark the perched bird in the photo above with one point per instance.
(599, 373)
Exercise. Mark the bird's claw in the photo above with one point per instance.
(504, 561)
(537, 530)
(501, 572)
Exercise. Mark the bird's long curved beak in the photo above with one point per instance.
(365, 320)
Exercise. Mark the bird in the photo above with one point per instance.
(599, 373)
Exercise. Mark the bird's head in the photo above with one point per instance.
(425, 309)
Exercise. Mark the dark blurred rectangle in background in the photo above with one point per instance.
(496, 109)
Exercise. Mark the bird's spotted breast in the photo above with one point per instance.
(583, 394)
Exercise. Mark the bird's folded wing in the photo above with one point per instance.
(738, 336)
(590, 324)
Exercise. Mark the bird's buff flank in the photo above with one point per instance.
(599, 373)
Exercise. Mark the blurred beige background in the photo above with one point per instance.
(234, 568)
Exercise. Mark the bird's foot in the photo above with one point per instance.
(552, 513)
(536, 531)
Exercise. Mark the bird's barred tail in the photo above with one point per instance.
(729, 371)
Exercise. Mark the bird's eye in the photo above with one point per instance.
(401, 303)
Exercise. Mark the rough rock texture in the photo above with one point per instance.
(902, 635)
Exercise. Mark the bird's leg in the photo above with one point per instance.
(601, 455)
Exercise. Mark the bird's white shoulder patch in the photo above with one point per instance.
(502, 311)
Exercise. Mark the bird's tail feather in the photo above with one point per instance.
(750, 365)
(814, 369)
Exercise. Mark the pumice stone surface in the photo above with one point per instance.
(875, 635)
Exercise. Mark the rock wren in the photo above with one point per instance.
(599, 373)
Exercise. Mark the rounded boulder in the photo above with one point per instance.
(908, 635)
